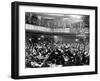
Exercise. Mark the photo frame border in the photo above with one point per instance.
(15, 39)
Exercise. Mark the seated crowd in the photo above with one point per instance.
(53, 54)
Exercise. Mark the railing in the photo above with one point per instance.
(46, 29)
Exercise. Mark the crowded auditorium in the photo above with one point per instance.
(56, 40)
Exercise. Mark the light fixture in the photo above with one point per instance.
(76, 16)
(39, 38)
(76, 40)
